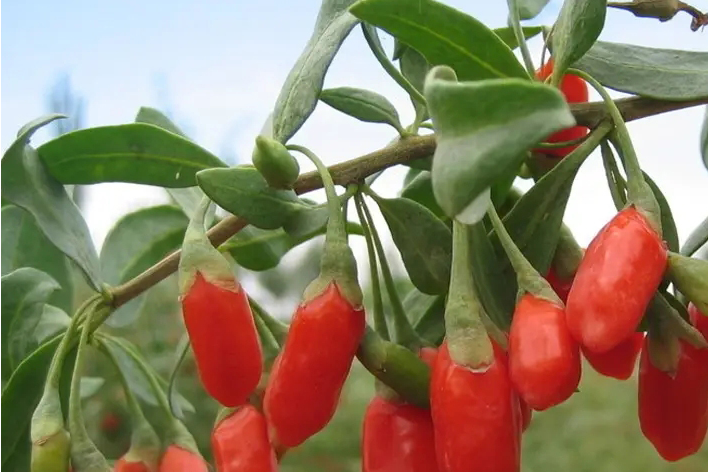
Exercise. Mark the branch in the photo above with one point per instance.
(662, 10)
(403, 151)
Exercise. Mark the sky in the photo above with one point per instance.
(218, 67)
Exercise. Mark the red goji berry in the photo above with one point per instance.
(125, 465)
(307, 377)
(544, 359)
(575, 90)
(475, 415)
(240, 443)
(699, 320)
(620, 272)
(224, 340)
(397, 437)
(673, 411)
(619, 361)
(177, 459)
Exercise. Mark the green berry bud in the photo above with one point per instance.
(279, 168)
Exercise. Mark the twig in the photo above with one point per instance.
(402, 151)
(662, 10)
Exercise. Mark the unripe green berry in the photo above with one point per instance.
(279, 168)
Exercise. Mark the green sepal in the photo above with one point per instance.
(277, 166)
(51, 445)
(145, 445)
(338, 266)
(198, 255)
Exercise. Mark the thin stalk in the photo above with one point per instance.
(388, 66)
(638, 192)
(84, 453)
(403, 332)
(520, 38)
(183, 348)
(379, 319)
(335, 225)
(528, 278)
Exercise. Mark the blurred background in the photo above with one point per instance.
(216, 68)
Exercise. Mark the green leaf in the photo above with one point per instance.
(484, 128)
(414, 68)
(308, 220)
(665, 74)
(298, 97)
(138, 383)
(579, 24)
(420, 190)
(668, 225)
(186, 198)
(507, 34)
(136, 242)
(21, 395)
(426, 312)
(137, 153)
(25, 245)
(259, 249)
(425, 243)
(696, 239)
(704, 138)
(529, 9)
(24, 293)
(444, 36)
(245, 193)
(535, 220)
(27, 184)
(51, 321)
(496, 287)
(363, 105)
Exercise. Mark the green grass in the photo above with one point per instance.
(597, 430)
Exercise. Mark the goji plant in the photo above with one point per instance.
(499, 305)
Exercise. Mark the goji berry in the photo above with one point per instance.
(125, 465)
(620, 272)
(544, 359)
(673, 411)
(307, 377)
(575, 90)
(240, 443)
(619, 361)
(177, 459)
(560, 286)
(224, 340)
(475, 415)
(277, 166)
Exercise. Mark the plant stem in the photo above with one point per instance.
(638, 192)
(403, 332)
(405, 150)
(614, 180)
(528, 278)
(375, 45)
(520, 38)
(379, 319)
(184, 344)
(336, 228)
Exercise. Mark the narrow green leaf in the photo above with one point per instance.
(507, 34)
(414, 68)
(27, 184)
(134, 376)
(298, 97)
(24, 293)
(529, 9)
(243, 192)
(425, 243)
(155, 117)
(25, 245)
(484, 128)
(363, 105)
(426, 312)
(137, 153)
(696, 239)
(52, 321)
(665, 74)
(668, 225)
(21, 395)
(90, 386)
(444, 36)
(259, 249)
(579, 24)
(420, 190)
(535, 220)
(308, 220)
(137, 241)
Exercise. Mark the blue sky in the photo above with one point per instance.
(222, 64)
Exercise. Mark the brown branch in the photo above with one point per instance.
(405, 150)
(662, 10)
